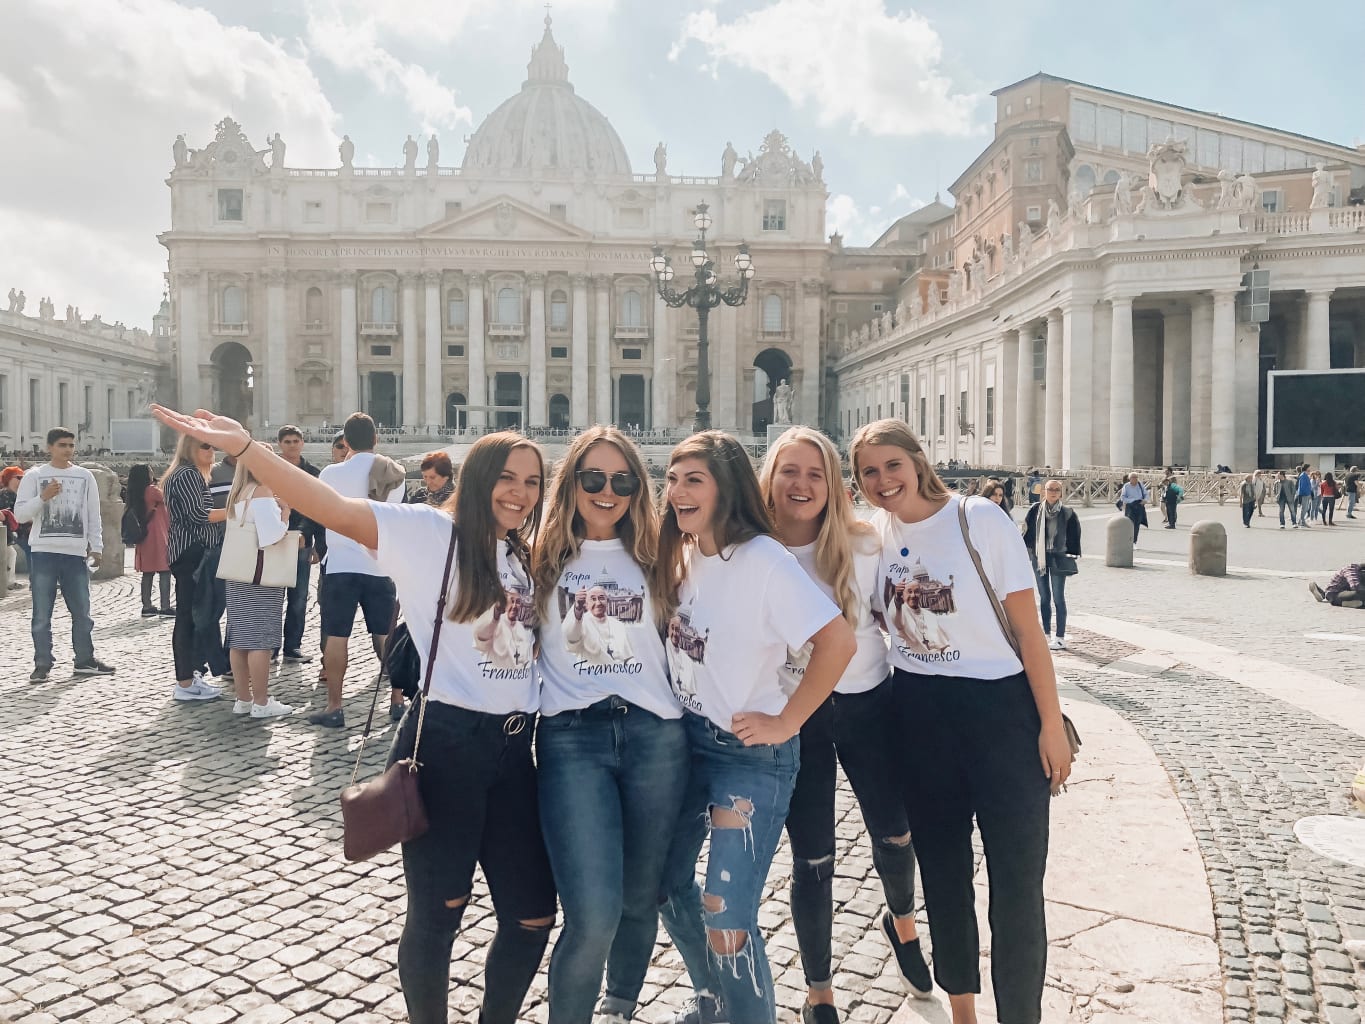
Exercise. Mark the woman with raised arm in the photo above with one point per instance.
(611, 751)
(477, 779)
(736, 602)
(840, 554)
(981, 726)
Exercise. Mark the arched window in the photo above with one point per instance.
(559, 310)
(456, 415)
(315, 395)
(559, 412)
(772, 314)
(381, 305)
(632, 309)
(1111, 177)
(509, 306)
(234, 310)
(312, 306)
(455, 310)
(1083, 180)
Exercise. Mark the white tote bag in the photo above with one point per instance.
(244, 560)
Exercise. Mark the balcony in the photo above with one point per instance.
(379, 329)
(316, 327)
(237, 330)
(506, 330)
(632, 332)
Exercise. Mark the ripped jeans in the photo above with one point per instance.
(753, 786)
(858, 728)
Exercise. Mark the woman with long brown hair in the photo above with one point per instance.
(840, 553)
(477, 779)
(977, 721)
(611, 751)
(150, 558)
(736, 601)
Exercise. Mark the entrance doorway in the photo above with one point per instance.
(507, 391)
(630, 402)
(382, 401)
(771, 367)
(232, 382)
(559, 412)
(456, 416)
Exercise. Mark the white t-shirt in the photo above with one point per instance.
(69, 522)
(352, 479)
(869, 665)
(940, 617)
(737, 616)
(484, 665)
(613, 648)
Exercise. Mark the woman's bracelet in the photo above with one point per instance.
(244, 450)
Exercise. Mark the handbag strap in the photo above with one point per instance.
(431, 664)
(996, 606)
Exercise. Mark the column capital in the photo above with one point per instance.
(275, 276)
(345, 278)
(579, 280)
(1225, 294)
(475, 278)
(1121, 298)
(431, 277)
(1318, 293)
(602, 281)
(536, 279)
(1054, 316)
(188, 278)
(409, 277)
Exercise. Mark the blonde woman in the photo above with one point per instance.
(840, 555)
(255, 614)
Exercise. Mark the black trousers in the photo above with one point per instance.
(970, 748)
(184, 648)
(1170, 511)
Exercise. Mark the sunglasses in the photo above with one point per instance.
(339, 445)
(623, 485)
(206, 447)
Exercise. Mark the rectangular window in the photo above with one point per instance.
(1082, 120)
(559, 211)
(630, 353)
(378, 213)
(630, 217)
(841, 307)
(877, 307)
(312, 211)
(229, 204)
(63, 392)
(923, 415)
(905, 397)
(1111, 127)
(381, 350)
(990, 412)
(1135, 133)
(454, 351)
(962, 421)
(559, 352)
(942, 413)
(1034, 213)
(775, 215)
(132, 402)
(33, 410)
(1208, 145)
(1270, 200)
(4, 402)
(89, 396)
(1033, 170)
(453, 208)
(109, 410)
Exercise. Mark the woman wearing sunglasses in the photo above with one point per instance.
(611, 751)
(477, 779)
(736, 601)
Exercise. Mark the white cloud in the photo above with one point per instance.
(94, 94)
(863, 226)
(851, 60)
(436, 22)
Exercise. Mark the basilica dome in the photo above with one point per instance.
(546, 128)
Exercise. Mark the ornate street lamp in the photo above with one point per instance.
(704, 295)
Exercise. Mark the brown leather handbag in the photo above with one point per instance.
(380, 814)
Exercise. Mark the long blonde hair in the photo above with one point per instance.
(897, 434)
(242, 478)
(184, 455)
(840, 529)
(561, 537)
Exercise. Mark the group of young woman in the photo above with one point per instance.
(695, 668)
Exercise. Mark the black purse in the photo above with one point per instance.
(1062, 564)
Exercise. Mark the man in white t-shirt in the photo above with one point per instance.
(593, 634)
(353, 580)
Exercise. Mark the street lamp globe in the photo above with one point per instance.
(743, 261)
(698, 252)
(657, 261)
(701, 218)
(666, 274)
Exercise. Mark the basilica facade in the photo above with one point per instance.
(513, 290)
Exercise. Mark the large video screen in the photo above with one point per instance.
(1317, 412)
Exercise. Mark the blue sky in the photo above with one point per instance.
(894, 95)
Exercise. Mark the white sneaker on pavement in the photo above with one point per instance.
(241, 707)
(270, 709)
(1056, 644)
(197, 690)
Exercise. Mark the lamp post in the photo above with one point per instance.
(704, 295)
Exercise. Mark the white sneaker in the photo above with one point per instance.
(197, 690)
(270, 709)
(241, 707)
(202, 681)
(1056, 644)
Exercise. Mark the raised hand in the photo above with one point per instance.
(223, 432)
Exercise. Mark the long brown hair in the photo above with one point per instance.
(840, 529)
(740, 514)
(561, 539)
(471, 506)
(897, 434)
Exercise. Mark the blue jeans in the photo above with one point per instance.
(1351, 502)
(1293, 512)
(296, 603)
(46, 572)
(756, 783)
(1305, 509)
(609, 775)
(1052, 588)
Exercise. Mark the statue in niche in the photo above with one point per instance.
(1006, 247)
(277, 153)
(727, 162)
(978, 272)
(1227, 190)
(782, 402)
(1322, 187)
(1248, 193)
(433, 154)
(817, 166)
(935, 301)
(1123, 195)
(180, 151)
(410, 155)
(1054, 217)
(1025, 242)
(347, 152)
(661, 160)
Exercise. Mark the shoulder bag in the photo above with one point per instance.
(243, 560)
(1073, 737)
(389, 810)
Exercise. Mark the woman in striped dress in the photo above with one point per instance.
(255, 614)
(187, 497)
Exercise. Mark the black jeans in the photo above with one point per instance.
(857, 727)
(479, 788)
(1329, 506)
(1171, 505)
(971, 748)
(209, 604)
(1248, 510)
(165, 580)
(183, 647)
(296, 603)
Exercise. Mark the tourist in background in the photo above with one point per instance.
(341, 451)
(1304, 493)
(1133, 502)
(150, 556)
(1053, 550)
(1327, 490)
(16, 533)
(1316, 479)
(1344, 588)
(1286, 497)
(185, 485)
(1246, 493)
(1352, 485)
(995, 491)
(438, 480)
(1171, 496)
(1262, 491)
(311, 550)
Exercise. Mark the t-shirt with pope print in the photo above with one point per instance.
(739, 611)
(598, 637)
(484, 665)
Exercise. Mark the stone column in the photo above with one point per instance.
(537, 412)
(578, 379)
(411, 384)
(1052, 423)
(478, 375)
(276, 349)
(724, 332)
(807, 320)
(188, 366)
(1317, 346)
(1025, 401)
(433, 391)
(661, 391)
(602, 379)
(1175, 389)
(1099, 384)
(1201, 378)
(1078, 329)
(1121, 383)
(1223, 400)
(347, 399)
(1007, 438)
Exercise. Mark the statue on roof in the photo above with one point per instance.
(817, 166)
(277, 153)
(661, 160)
(347, 152)
(410, 155)
(433, 154)
(1227, 190)
(1322, 187)
(727, 162)
(1123, 195)
(180, 151)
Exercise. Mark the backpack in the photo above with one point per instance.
(403, 663)
(133, 530)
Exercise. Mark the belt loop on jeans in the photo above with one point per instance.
(514, 724)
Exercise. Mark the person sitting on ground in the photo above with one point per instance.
(1344, 589)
